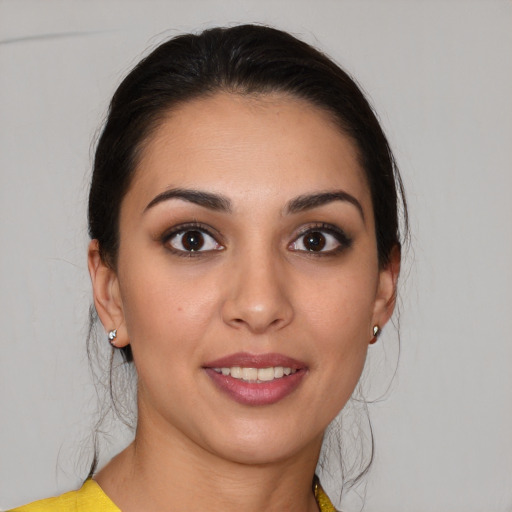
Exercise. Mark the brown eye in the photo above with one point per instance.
(322, 240)
(314, 241)
(193, 240)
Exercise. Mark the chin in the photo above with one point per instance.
(265, 447)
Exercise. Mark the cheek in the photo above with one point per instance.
(340, 302)
(165, 306)
(337, 314)
(167, 314)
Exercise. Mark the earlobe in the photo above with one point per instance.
(107, 296)
(387, 289)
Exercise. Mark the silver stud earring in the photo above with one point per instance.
(112, 335)
(376, 332)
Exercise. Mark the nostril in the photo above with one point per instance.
(238, 321)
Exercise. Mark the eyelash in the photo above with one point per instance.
(185, 228)
(338, 234)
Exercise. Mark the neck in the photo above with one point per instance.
(166, 471)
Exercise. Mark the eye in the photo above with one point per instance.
(325, 239)
(190, 240)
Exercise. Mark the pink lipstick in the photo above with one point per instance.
(256, 379)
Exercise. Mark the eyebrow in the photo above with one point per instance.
(221, 203)
(310, 201)
(208, 200)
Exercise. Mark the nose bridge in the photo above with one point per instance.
(257, 297)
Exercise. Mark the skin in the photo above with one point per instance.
(255, 289)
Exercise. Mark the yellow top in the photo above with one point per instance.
(91, 498)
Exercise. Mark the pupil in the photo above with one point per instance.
(192, 240)
(314, 241)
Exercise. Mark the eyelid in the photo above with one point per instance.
(170, 233)
(344, 240)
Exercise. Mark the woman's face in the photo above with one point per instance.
(247, 280)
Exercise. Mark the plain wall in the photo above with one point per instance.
(440, 77)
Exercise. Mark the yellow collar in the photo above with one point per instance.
(321, 498)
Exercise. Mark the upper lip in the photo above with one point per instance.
(247, 360)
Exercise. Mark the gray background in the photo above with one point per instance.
(439, 74)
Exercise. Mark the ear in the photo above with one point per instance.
(107, 296)
(387, 288)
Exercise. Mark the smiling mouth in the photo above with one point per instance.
(256, 379)
(256, 375)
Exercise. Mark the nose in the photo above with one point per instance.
(257, 297)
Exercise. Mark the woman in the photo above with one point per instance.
(245, 252)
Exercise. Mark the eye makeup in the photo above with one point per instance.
(195, 239)
(321, 239)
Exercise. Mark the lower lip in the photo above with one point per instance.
(253, 393)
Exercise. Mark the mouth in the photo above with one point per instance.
(256, 379)
(257, 375)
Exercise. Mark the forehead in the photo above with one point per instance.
(249, 147)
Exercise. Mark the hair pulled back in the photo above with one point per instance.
(244, 59)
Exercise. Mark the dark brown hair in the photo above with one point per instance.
(246, 59)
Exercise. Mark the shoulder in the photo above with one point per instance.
(90, 498)
(323, 501)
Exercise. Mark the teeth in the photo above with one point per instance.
(266, 374)
(249, 374)
(235, 372)
(256, 374)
